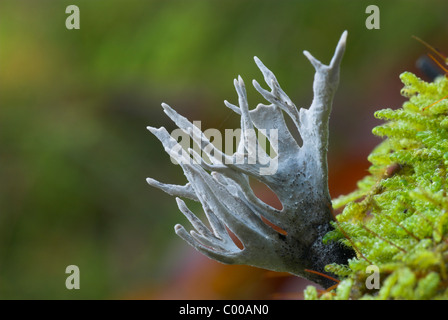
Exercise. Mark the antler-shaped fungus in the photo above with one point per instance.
(297, 175)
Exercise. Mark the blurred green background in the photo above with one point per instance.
(75, 152)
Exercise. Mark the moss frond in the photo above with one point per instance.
(398, 217)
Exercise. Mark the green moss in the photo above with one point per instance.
(397, 219)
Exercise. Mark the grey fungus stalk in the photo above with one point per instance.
(300, 181)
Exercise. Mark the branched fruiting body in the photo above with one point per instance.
(299, 179)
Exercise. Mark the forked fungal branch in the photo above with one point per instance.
(300, 181)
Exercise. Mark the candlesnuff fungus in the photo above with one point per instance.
(298, 177)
